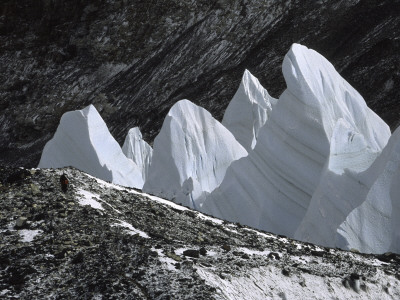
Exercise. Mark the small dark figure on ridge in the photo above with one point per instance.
(64, 183)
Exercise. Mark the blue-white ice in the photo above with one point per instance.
(82, 140)
(190, 156)
(272, 188)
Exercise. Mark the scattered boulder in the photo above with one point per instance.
(274, 255)
(191, 253)
(21, 223)
(286, 272)
(226, 247)
(78, 258)
(203, 251)
(173, 256)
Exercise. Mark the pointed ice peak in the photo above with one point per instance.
(315, 82)
(136, 149)
(293, 147)
(82, 140)
(255, 91)
(191, 155)
(135, 134)
(248, 111)
(90, 110)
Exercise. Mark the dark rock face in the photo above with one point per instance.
(134, 59)
(107, 242)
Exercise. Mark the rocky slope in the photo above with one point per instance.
(135, 59)
(102, 241)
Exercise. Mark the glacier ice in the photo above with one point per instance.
(374, 226)
(340, 189)
(272, 187)
(190, 155)
(317, 164)
(82, 140)
(248, 111)
(136, 149)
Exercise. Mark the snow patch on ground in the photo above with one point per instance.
(131, 230)
(169, 262)
(120, 188)
(28, 235)
(118, 211)
(106, 184)
(161, 200)
(268, 283)
(88, 198)
(179, 251)
(214, 220)
(266, 235)
(253, 252)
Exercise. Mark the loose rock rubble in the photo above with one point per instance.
(101, 240)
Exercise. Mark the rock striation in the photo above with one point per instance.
(135, 59)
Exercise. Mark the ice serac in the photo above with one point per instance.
(82, 140)
(340, 189)
(190, 156)
(373, 227)
(248, 111)
(136, 149)
(271, 189)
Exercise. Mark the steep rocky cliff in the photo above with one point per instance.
(134, 59)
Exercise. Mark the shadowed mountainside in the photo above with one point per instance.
(134, 59)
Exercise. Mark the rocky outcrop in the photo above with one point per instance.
(102, 240)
